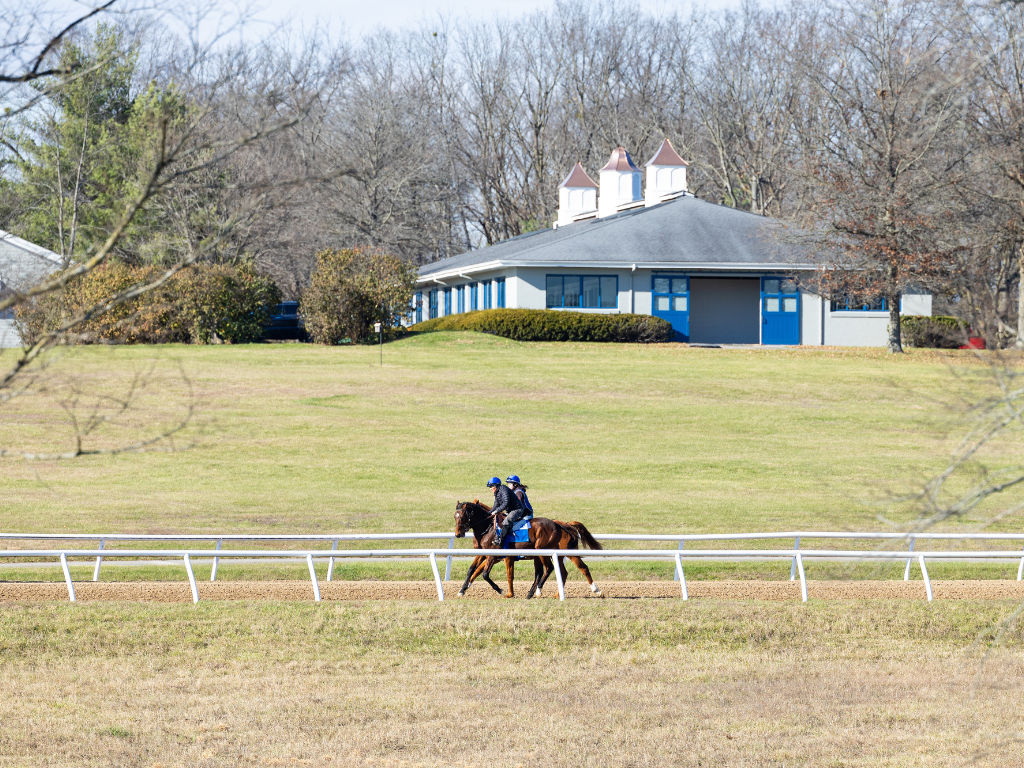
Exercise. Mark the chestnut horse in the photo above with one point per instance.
(544, 534)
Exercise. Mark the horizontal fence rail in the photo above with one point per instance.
(680, 539)
(798, 556)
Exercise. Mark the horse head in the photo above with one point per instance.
(462, 518)
(470, 515)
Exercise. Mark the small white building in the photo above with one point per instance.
(21, 264)
(717, 274)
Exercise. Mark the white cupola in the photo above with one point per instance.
(666, 174)
(620, 183)
(577, 195)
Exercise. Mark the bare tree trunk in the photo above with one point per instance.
(1019, 344)
(895, 332)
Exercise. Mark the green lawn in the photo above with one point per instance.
(626, 438)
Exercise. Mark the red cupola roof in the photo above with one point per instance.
(578, 178)
(666, 155)
(620, 161)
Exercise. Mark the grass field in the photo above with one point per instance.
(626, 438)
(585, 683)
(292, 438)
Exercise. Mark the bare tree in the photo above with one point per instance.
(186, 144)
(888, 153)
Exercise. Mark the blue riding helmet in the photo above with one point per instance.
(513, 479)
(493, 481)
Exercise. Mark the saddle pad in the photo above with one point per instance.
(520, 533)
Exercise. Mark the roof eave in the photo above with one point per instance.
(565, 264)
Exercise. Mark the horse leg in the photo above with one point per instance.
(548, 569)
(510, 571)
(537, 570)
(578, 562)
(470, 575)
(491, 562)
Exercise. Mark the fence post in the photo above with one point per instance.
(906, 571)
(312, 577)
(803, 577)
(792, 568)
(330, 568)
(558, 577)
(448, 565)
(191, 579)
(67, 577)
(216, 560)
(1020, 569)
(437, 578)
(682, 543)
(924, 575)
(680, 576)
(99, 559)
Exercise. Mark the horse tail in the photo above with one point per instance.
(586, 537)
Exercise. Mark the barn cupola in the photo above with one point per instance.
(577, 195)
(666, 174)
(620, 183)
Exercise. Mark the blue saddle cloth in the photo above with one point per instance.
(519, 534)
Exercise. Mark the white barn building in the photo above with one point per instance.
(21, 264)
(717, 274)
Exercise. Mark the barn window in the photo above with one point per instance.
(473, 306)
(447, 301)
(582, 291)
(853, 303)
(487, 293)
(499, 288)
(433, 304)
(418, 305)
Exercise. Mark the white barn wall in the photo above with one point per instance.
(9, 336)
(642, 292)
(526, 288)
(917, 304)
(811, 307)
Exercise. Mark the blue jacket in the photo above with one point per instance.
(521, 494)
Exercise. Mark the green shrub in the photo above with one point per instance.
(939, 332)
(550, 325)
(351, 290)
(200, 304)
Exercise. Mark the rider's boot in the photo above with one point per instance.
(499, 539)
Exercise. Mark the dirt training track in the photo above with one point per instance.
(173, 592)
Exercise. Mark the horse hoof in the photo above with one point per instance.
(460, 594)
(507, 597)
(598, 593)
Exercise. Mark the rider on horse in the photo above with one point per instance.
(520, 491)
(505, 501)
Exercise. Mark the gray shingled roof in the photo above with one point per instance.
(683, 231)
(23, 263)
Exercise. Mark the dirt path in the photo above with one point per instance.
(168, 592)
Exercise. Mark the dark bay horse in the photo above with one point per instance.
(544, 534)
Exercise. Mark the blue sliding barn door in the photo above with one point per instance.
(780, 311)
(670, 300)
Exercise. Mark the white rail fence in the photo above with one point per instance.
(795, 554)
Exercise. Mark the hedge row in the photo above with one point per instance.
(550, 325)
(939, 332)
(200, 304)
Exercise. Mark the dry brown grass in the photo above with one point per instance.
(485, 683)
